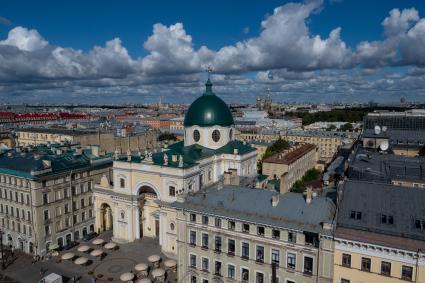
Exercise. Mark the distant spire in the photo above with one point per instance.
(208, 85)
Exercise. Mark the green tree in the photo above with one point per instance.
(279, 145)
(346, 127)
(166, 136)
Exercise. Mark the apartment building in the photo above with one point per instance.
(46, 195)
(379, 235)
(327, 143)
(240, 234)
(290, 165)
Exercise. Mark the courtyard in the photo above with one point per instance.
(107, 268)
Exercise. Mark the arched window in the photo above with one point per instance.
(216, 135)
(230, 134)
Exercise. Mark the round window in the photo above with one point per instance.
(172, 226)
(196, 135)
(216, 135)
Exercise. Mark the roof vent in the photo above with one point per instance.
(235, 151)
(47, 163)
(275, 200)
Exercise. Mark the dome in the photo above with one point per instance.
(208, 110)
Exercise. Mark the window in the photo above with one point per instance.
(357, 215)
(205, 220)
(193, 279)
(196, 135)
(311, 239)
(245, 275)
(205, 264)
(172, 191)
(420, 224)
(192, 217)
(66, 208)
(122, 183)
(259, 277)
(216, 135)
(231, 247)
(386, 268)
(345, 280)
(217, 243)
(245, 228)
(205, 243)
(259, 255)
(193, 261)
(83, 216)
(82, 202)
(275, 257)
(406, 272)
(46, 229)
(276, 234)
(291, 260)
(46, 215)
(217, 222)
(260, 231)
(245, 250)
(366, 263)
(217, 268)
(346, 260)
(193, 238)
(387, 219)
(291, 237)
(231, 225)
(308, 265)
(45, 198)
(231, 271)
(230, 134)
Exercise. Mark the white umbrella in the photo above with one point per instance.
(141, 267)
(158, 272)
(144, 280)
(110, 246)
(83, 248)
(154, 258)
(67, 256)
(96, 253)
(98, 242)
(170, 263)
(126, 276)
(81, 260)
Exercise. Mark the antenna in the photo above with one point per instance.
(384, 145)
(377, 130)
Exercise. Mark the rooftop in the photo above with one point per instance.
(289, 156)
(385, 209)
(255, 206)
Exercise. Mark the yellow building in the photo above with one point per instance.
(380, 234)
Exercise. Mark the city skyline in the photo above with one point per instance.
(311, 51)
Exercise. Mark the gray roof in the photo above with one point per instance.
(318, 133)
(373, 200)
(382, 167)
(63, 131)
(399, 138)
(254, 205)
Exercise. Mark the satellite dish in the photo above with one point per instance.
(384, 145)
(377, 130)
(384, 129)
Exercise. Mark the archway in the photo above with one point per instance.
(148, 212)
(106, 222)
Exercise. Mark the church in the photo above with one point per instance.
(129, 202)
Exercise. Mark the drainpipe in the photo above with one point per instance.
(317, 264)
(417, 264)
(72, 205)
(32, 221)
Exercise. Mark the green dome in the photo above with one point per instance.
(208, 110)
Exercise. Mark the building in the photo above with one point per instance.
(327, 142)
(140, 181)
(108, 140)
(409, 120)
(379, 235)
(290, 165)
(7, 139)
(46, 195)
(261, 147)
(177, 123)
(235, 234)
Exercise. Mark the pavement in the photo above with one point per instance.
(108, 269)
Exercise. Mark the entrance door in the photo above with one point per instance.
(157, 228)
(60, 242)
(21, 245)
(68, 238)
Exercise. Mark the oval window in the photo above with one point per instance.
(230, 134)
(216, 135)
(196, 135)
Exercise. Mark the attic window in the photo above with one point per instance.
(357, 215)
(387, 219)
(420, 224)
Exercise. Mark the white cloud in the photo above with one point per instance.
(25, 39)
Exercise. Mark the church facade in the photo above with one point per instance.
(129, 201)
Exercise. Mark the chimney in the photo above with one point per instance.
(116, 154)
(95, 150)
(181, 161)
(308, 195)
(235, 151)
(174, 157)
(284, 188)
(128, 155)
(275, 200)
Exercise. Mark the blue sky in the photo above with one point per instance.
(79, 26)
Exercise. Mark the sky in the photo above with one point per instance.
(140, 51)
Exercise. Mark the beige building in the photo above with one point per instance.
(236, 234)
(290, 165)
(46, 195)
(107, 140)
(379, 235)
(327, 143)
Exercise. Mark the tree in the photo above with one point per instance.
(346, 127)
(279, 145)
(166, 136)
